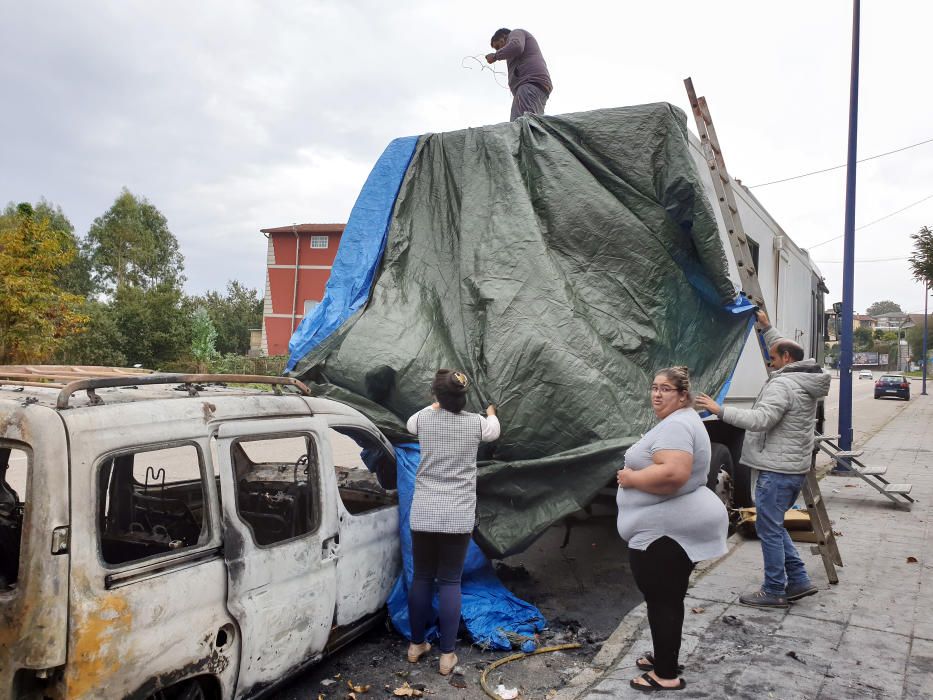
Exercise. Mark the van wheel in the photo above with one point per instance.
(186, 690)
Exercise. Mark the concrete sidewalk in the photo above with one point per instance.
(870, 636)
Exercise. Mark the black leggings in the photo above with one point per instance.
(662, 573)
(440, 556)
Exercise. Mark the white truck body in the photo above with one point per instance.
(790, 282)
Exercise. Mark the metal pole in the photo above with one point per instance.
(926, 296)
(848, 257)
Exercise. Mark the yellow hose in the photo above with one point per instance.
(515, 657)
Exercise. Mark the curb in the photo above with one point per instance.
(618, 644)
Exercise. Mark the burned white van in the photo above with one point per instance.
(170, 536)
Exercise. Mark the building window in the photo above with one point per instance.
(319, 241)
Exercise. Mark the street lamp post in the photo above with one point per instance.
(848, 257)
(926, 296)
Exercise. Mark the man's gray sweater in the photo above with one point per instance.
(525, 61)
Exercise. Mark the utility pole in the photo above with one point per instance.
(848, 264)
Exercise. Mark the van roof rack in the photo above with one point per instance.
(71, 379)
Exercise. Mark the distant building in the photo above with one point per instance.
(298, 265)
(892, 321)
(863, 321)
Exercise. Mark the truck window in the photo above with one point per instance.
(276, 487)
(151, 502)
(14, 466)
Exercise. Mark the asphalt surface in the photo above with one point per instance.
(583, 590)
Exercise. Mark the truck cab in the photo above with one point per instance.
(166, 535)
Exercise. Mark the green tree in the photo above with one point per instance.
(100, 344)
(233, 314)
(203, 338)
(921, 260)
(155, 324)
(132, 246)
(36, 315)
(862, 339)
(914, 337)
(74, 276)
(885, 306)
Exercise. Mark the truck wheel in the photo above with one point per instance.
(742, 486)
(720, 459)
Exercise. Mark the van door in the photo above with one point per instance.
(280, 544)
(33, 545)
(370, 556)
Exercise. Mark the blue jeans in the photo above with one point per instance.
(775, 493)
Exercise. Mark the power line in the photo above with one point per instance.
(871, 223)
(837, 167)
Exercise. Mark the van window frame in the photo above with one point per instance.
(171, 558)
(314, 447)
(25, 498)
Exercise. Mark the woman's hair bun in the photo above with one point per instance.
(450, 381)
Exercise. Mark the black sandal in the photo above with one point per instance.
(650, 665)
(653, 685)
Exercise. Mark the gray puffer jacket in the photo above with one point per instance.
(779, 426)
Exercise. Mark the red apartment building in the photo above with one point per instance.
(298, 265)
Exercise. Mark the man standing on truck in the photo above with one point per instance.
(529, 79)
(778, 445)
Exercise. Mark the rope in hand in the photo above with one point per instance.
(516, 657)
(481, 60)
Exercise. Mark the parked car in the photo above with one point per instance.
(893, 385)
(866, 374)
(193, 544)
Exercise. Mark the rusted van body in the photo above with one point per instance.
(209, 542)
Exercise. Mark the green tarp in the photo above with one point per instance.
(559, 261)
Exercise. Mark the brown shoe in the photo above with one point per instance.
(448, 663)
(416, 651)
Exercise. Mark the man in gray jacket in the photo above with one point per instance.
(778, 444)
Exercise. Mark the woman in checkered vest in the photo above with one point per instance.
(443, 510)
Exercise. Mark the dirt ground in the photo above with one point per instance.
(583, 590)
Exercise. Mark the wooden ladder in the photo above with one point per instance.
(748, 276)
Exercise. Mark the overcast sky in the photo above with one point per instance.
(234, 116)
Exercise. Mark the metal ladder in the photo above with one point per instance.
(899, 494)
(748, 276)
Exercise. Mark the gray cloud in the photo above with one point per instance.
(232, 116)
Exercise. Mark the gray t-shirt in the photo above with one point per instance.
(693, 516)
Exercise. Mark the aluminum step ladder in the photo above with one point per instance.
(748, 276)
(898, 494)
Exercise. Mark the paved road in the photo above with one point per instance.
(868, 415)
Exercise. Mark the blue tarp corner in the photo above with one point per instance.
(488, 609)
(360, 251)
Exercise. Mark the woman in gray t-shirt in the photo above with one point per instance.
(669, 519)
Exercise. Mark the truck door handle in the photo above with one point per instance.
(330, 548)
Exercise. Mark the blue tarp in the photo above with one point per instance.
(488, 607)
(361, 246)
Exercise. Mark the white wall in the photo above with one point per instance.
(785, 273)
